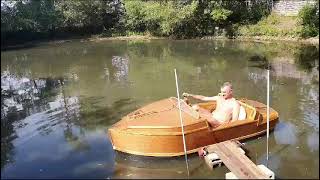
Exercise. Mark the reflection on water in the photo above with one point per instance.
(285, 133)
(122, 67)
(57, 102)
(128, 166)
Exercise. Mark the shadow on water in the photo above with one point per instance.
(259, 61)
(18, 47)
(134, 166)
(92, 117)
(7, 136)
(307, 58)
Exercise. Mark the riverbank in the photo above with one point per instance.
(132, 37)
(96, 38)
(313, 40)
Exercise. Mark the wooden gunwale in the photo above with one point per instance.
(178, 133)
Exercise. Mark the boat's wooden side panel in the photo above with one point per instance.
(155, 145)
(239, 131)
(172, 145)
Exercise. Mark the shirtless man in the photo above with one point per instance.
(227, 107)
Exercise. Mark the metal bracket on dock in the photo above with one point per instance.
(212, 159)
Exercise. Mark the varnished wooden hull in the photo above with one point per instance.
(151, 135)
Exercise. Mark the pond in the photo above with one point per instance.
(58, 101)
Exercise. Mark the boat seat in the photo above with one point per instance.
(250, 112)
(242, 113)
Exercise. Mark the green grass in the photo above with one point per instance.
(273, 25)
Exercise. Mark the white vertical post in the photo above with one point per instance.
(182, 130)
(268, 111)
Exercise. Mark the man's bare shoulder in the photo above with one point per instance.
(235, 102)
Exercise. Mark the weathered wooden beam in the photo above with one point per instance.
(232, 156)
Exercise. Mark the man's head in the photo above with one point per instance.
(226, 90)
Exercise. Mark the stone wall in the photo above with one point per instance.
(290, 7)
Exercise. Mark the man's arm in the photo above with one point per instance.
(200, 97)
(235, 111)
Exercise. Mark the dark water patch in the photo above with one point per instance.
(260, 62)
(17, 47)
(307, 58)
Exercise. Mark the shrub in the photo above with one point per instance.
(157, 18)
(220, 14)
(135, 16)
(309, 19)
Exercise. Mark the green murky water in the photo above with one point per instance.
(57, 102)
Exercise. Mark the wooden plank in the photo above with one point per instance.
(237, 163)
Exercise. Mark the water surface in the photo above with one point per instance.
(58, 101)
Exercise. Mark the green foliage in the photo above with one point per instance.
(94, 15)
(156, 17)
(29, 16)
(220, 14)
(233, 30)
(258, 10)
(36, 19)
(309, 19)
(25, 20)
(135, 16)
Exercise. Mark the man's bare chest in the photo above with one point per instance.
(225, 105)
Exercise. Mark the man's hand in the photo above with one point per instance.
(186, 94)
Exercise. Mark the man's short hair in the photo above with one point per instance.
(226, 84)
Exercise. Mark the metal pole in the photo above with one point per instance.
(182, 130)
(268, 112)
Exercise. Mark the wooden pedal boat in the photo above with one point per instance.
(155, 129)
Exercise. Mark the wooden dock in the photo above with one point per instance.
(234, 158)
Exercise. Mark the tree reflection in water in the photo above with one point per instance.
(22, 97)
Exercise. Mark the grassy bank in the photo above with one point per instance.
(128, 37)
(313, 40)
(273, 26)
(303, 26)
(255, 38)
